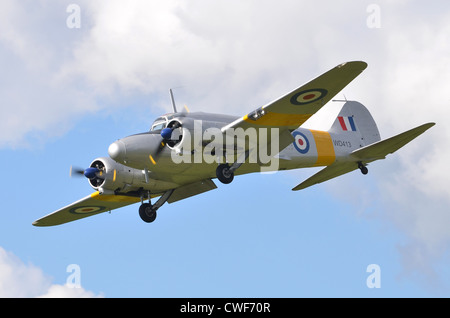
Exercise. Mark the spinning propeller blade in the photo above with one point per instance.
(89, 173)
(76, 171)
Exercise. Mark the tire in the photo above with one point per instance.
(364, 170)
(147, 213)
(224, 174)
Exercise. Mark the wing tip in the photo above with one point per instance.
(423, 128)
(298, 188)
(40, 223)
(359, 64)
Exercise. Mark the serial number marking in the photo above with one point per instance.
(342, 143)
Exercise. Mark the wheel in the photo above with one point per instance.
(363, 168)
(224, 174)
(147, 213)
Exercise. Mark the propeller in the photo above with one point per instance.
(166, 133)
(95, 174)
(89, 173)
(76, 171)
(166, 138)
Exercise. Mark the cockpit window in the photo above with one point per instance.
(159, 124)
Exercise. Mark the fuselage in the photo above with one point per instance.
(198, 146)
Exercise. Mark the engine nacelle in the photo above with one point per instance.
(177, 135)
(114, 176)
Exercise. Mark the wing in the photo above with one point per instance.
(98, 203)
(375, 151)
(93, 204)
(293, 109)
(192, 189)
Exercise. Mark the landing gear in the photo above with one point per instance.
(147, 211)
(224, 174)
(363, 168)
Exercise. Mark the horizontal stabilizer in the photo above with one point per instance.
(335, 170)
(381, 149)
(375, 151)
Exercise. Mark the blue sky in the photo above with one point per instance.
(253, 238)
(68, 93)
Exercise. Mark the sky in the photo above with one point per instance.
(78, 75)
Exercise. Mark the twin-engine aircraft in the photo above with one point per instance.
(184, 151)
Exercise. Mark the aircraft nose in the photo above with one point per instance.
(117, 151)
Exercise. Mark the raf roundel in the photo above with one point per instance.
(308, 96)
(301, 143)
(87, 209)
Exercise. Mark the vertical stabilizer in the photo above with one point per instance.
(354, 117)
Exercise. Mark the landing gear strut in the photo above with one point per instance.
(363, 168)
(147, 211)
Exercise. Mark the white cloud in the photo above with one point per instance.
(417, 192)
(63, 291)
(227, 55)
(18, 280)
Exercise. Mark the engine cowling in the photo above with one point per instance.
(176, 128)
(183, 134)
(113, 176)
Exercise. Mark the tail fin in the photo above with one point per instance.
(354, 117)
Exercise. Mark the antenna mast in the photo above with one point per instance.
(173, 101)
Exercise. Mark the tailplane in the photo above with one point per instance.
(355, 120)
(359, 158)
